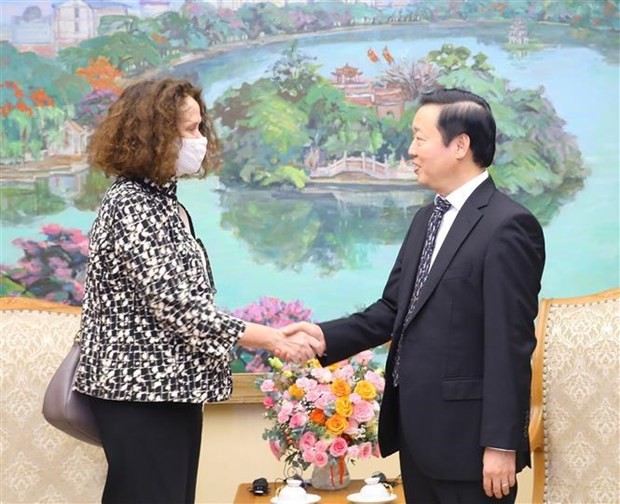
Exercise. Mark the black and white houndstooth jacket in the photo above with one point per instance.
(150, 331)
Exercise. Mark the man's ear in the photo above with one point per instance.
(462, 145)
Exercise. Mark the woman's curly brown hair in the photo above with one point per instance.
(139, 137)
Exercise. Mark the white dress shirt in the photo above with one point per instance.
(457, 199)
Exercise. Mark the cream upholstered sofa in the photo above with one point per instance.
(39, 463)
(575, 419)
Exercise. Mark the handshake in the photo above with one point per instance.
(297, 342)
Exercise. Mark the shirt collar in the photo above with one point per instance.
(458, 197)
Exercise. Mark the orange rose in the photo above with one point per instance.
(366, 390)
(317, 416)
(296, 391)
(340, 388)
(336, 424)
(344, 406)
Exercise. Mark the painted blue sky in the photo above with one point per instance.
(12, 8)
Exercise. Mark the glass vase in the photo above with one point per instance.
(331, 476)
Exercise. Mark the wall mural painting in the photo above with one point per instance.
(314, 101)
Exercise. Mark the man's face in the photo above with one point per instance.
(434, 163)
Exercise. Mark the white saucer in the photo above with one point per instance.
(310, 499)
(362, 499)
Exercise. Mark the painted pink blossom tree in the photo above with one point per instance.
(53, 268)
(269, 311)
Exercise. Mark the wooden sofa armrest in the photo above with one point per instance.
(536, 432)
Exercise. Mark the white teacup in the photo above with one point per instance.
(373, 489)
(292, 493)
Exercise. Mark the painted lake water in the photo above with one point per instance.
(334, 252)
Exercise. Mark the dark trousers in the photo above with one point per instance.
(152, 451)
(421, 489)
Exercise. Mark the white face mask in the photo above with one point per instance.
(191, 155)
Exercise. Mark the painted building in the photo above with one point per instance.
(385, 100)
(74, 21)
(33, 32)
(73, 141)
(78, 20)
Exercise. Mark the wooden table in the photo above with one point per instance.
(244, 496)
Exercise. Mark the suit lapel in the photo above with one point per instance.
(465, 221)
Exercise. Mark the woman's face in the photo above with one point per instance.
(189, 119)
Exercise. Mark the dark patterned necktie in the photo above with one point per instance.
(441, 207)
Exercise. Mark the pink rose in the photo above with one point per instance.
(363, 411)
(365, 450)
(354, 398)
(320, 459)
(345, 372)
(364, 358)
(287, 408)
(353, 451)
(323, 375)
(268, 402)
(320, 446)
(338, 447)
(309, 455)
(307, 440)
(306, 383)
(325, 401)
(285, 412)
(298, 420)
(313, 395)
(267, 386)
(352, 429)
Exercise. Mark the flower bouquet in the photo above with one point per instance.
(323, 415)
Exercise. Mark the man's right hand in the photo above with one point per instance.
(307, 329)
(298, 348)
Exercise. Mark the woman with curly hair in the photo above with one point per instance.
(155, 347)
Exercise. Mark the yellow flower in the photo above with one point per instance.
(296, 391)
(366, 390)
(314, 363)
(287, 374)
(340, 388)
(275, 363)
(344, 406)
(336, 424)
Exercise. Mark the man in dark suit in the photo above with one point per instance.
(459, 308)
